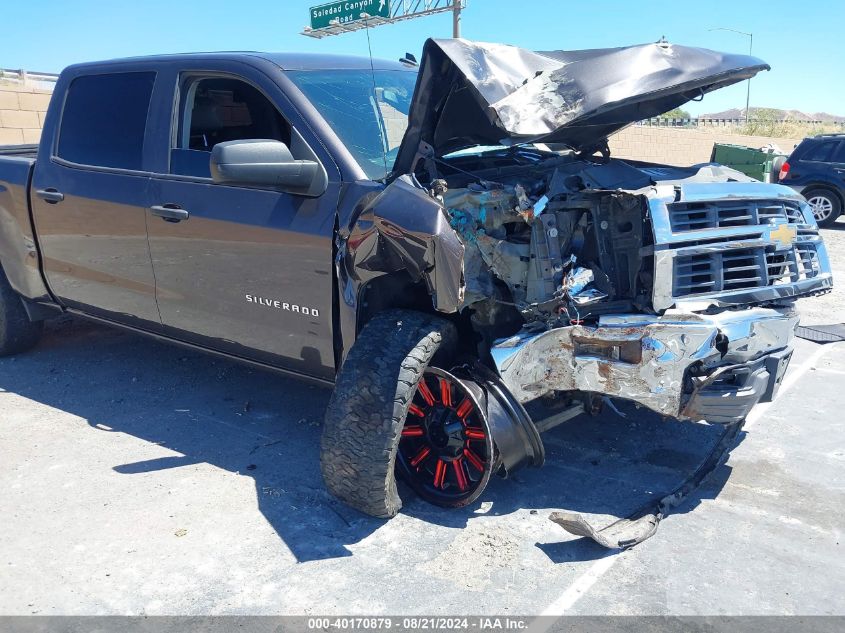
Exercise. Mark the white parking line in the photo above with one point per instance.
(789, 382)
(573, 593)
(582, 584)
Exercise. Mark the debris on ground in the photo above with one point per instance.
(821, 333)
(642, 523)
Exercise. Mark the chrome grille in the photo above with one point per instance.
(693, 216)
(743, 268)
(726, 244)
(807, 260)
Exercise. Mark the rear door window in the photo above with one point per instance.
(104, 119)
(217, 109)
(839, 154)
(820, 152)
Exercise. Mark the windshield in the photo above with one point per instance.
(371, 123)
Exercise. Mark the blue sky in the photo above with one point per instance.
(802, 41)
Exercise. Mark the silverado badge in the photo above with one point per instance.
(282, 305)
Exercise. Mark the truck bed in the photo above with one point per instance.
(19, 151)
(17, 240)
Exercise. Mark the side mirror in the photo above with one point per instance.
(266, 162)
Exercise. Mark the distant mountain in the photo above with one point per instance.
(782, 115)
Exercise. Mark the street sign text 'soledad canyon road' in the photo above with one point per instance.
(347, 11)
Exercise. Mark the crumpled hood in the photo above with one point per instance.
(474, 93)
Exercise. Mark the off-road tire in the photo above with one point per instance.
(371, 397)
(17, 332)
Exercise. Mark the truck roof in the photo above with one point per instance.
(286, 61)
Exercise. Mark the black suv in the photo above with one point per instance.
(816, 169)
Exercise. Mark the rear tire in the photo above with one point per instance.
(17, 332)
(825, 204)
(370, 402)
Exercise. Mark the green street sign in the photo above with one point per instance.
(347, 11)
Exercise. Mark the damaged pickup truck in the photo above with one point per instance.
(446, 245)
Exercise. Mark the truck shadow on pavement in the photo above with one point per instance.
(267, 427)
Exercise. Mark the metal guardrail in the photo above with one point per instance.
(708, 122)
(28, 77)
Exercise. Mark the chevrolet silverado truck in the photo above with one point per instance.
(447, 245)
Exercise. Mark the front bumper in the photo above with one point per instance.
(729, 393)
(685, 365)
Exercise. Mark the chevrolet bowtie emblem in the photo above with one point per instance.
(783, 236)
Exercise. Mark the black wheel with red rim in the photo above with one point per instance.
(446, 451)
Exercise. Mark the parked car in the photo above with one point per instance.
(816, 169)
(274, 209)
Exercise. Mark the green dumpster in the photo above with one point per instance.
(756, 163)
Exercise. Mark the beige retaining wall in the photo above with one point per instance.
(22, 109)
(681, 146)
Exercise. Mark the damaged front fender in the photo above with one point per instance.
(405, 229)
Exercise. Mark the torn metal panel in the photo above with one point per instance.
(641, 358)
(474, 93)
(546, 264)
(406, 229)
(578, 286)
(508, 260)
(751, 333)
(479, 214)
(579, 358)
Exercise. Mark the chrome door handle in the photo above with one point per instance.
(50, 195)
(170, 212)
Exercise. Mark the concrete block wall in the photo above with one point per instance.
(682, 146)
(22, 108)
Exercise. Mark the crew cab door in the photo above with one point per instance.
(246, 270)
(89, 197)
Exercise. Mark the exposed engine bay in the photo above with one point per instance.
(556, 246)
